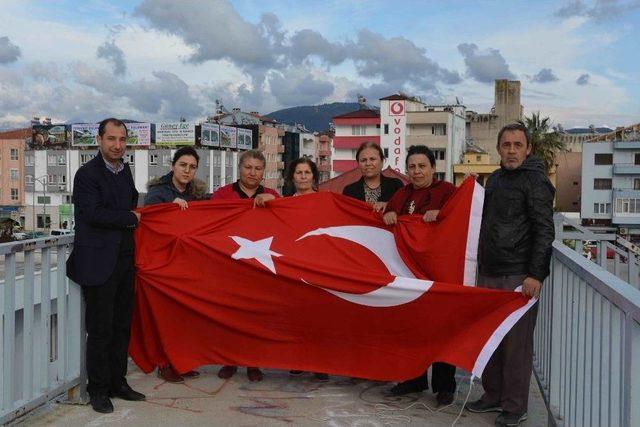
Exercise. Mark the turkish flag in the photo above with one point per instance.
(315, 283)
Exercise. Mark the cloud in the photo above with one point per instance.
(545, 75)
(309, 42)
(583, 80)
(9, 52)
(601, 9)
(45, 71)
(298, 87)
(485, 66)
(166, 96)
(113, 54)
(213, 28)
(398, 61)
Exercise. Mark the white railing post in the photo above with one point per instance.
(9, 331)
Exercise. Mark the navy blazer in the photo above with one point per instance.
(98, 223)
(389, 188)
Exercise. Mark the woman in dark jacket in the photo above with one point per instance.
(373, 188)
(178, 186)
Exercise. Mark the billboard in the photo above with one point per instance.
(210, 135)
(228, 136)
(49, 136)
(84, 134)
(245, 139)
(176, 133)
(139, 134)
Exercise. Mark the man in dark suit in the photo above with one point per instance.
(104, 199)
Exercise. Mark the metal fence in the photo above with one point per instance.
(587, 344)
(42, 329)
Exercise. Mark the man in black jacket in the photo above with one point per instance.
(104, 199)
(515, 250)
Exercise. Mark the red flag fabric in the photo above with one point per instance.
(315, 283)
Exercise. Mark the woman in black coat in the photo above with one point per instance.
(373, 188)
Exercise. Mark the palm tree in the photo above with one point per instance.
(545, 142)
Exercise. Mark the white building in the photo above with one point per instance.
(611, 185)
(49, 178)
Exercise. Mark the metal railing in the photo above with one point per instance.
(42, 329)
(587, 344)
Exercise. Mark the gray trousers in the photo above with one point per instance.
(507, 376)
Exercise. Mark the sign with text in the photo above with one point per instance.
(228, 136)
(85, 134)
(210, 134)
(178, 133)
(393, 116)
(245, 139)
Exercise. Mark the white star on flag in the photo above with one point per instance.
(258, 250)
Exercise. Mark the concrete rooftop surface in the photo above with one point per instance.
(280, 399)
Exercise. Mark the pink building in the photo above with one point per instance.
(12, 171)
(351, 130)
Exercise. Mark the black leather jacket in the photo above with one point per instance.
(517, 222)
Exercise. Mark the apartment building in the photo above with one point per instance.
(12, 172)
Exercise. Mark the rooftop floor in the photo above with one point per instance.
(281, 399)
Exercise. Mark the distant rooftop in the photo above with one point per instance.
(582, 130)
(363, 113)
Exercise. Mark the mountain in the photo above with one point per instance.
(316, 118)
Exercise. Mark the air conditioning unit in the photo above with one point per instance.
(624, 230)
(62, 187)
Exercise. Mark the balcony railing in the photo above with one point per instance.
(626, 169)
(43, 341)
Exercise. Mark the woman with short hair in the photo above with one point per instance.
(373, 188)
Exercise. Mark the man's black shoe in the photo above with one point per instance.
(480, 406)
(125, 392)
(508, 419)
(102, 404)
(444, 398)
(411, 386)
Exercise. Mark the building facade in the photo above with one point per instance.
(483, 128)
(12, 195)
(351, 130)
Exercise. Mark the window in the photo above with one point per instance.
(438, 154)
(44, 200)
(84, 158)
(386, 129)
(67, 199)
(636, 183)
(14, 174)
(378, 126)
(358, 130)
(625, 206)
(43, 221)
(28, 179)
(386, 153)
(62, 159)
(129, 158)
(603, 159)
(166, 160)
(62, 179)
(29, 160)
(439, 176)
(636, 159)
(52, 160)
(51, 179)
(14, 154)
(602, 184)
(439, 129)
(478, 158)
(602, 208)
(14, 194)
(153, 159)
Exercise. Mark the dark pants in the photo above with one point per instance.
(507, 376)
(108, 320)
(443, 377)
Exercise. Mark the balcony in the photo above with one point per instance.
(626, 145)
(626, 169)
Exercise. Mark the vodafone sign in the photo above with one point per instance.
(396, 108)
(395, 140)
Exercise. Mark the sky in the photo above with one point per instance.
(159, 60)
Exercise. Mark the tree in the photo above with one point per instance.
(545, 142)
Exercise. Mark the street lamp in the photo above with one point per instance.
(43, 181)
